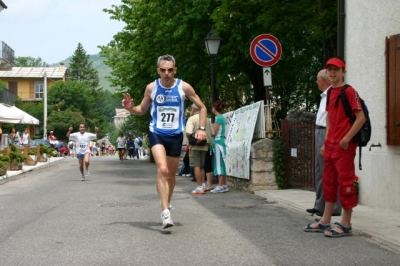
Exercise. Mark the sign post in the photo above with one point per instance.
(266, 50)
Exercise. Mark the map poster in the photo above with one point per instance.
(238, 140)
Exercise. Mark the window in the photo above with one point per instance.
(38, 90)
(393, 90)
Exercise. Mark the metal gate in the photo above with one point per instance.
(300, 157)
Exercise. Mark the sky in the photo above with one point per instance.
(52, 29)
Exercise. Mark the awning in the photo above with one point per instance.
(13, 115)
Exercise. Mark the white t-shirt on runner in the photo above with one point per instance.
(82, 141)
(121, 142)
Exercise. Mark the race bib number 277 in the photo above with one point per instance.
(168, 117)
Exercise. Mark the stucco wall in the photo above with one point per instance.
(24, 86)
(368, 23)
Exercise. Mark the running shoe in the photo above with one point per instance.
(218, 189)
(198, 190)
(226, 189)
(82, 178)
(166, 219)
(87, 174)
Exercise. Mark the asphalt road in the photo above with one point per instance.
(50, 217)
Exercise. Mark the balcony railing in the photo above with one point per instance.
(7, 97)
(6, 56)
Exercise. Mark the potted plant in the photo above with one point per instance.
(45, 152)
(16, 158)
(4, 162)
(32, 154)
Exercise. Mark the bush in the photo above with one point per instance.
(4, 161)
(16, 156)
(279, 160)
(46, 150)
(32, 152)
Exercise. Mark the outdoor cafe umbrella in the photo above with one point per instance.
(14, 115)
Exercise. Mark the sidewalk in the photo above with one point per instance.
(380, 225)
(27, 168)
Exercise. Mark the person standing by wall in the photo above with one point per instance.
(14, 137)
(82, 140)
(339, 152)
(26, 138)
(219, 148)
(324, 84)
(167, 96)
(197, 153)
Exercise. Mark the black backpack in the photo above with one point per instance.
(364, 134)
(140, 142)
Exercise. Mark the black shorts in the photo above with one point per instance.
(208, 164)
(172, 144)
(121, 149)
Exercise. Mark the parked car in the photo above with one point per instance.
(37, 142)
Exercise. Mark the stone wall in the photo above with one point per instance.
(262, 176)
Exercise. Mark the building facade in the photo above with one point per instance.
(372, 54)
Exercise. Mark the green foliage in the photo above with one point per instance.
(71, 103)
(27, 61)
(137, 125)
(279, 160)
(3, 86)
(305, 28)
(16, 156)
(102, 69)
(32, 152)
(4, 161)
(80, 69)
(59, 122)
(46, 150)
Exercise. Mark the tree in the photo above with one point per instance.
(74, 96)
(27, 61)
(80, 69)
(305, 28)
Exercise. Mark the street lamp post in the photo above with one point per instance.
(212, 45)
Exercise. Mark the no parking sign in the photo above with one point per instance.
(265, 50)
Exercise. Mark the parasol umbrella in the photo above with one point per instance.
(14, 115)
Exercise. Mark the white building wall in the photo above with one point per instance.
(368, 23)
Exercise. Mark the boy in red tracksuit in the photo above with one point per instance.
(339, 152)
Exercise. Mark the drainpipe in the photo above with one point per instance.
(340, 29)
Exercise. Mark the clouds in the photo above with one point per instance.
(52, 29)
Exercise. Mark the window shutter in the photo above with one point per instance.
(393, 90)
(13, 87)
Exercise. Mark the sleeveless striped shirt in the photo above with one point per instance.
(167, 109)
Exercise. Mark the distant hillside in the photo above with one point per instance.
(102, 69)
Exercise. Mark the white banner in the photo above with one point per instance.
(239, 136)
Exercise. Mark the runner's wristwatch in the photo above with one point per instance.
(202, 128)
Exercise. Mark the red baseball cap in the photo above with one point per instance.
(335, 62)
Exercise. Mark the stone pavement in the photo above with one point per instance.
(382, 226)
